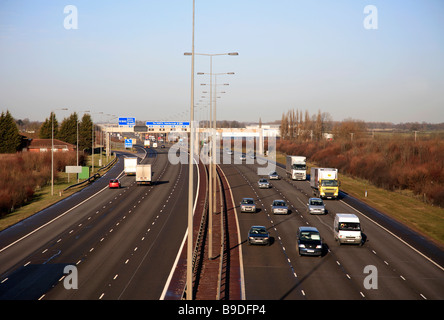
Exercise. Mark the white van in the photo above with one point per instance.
(347, 228)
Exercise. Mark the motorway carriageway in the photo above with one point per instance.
(124, 243)
(277, 272)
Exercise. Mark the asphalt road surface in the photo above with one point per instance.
(123, 242)
(384, 267)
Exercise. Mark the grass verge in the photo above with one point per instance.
(43, 198)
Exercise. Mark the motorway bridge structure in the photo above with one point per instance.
(126, 243)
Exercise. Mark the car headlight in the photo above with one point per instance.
(302, 246)
(319, 246)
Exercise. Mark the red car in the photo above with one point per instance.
(114, 183)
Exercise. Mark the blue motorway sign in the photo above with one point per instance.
(127, 121)
(128, 143)
(168, 123)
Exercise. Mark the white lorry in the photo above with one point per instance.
(143, 174)
(130, 164)
(347, 228)
(296, 167)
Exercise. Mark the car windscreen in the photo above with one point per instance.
(309, 235)
(258, 231)
(351, 226)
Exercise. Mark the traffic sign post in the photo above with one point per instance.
(128, 143)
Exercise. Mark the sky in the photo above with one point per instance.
(126, 59)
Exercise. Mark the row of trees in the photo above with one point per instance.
(68, 129)
(11, 140)
(298, 126)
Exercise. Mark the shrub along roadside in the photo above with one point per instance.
(22, 174)
(393, 165)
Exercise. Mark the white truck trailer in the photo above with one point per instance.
(143, 174)
(296, 167)
(130, 164)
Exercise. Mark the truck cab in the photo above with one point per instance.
(325, 182)
(296, 167)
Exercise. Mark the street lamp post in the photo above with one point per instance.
(212, 169)
(52, 148)
(77, 150)
(189, 291)
(215, 133)
(92, 138)
(211, 172)
(190, 164)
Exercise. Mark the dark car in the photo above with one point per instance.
(258, 235)
(309, 241)
(114, 183)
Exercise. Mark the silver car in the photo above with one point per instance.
(273, 176)
(248, 205)
(263, 183)
(279, 207)
(316, 206)
(258, 235)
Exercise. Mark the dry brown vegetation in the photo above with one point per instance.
(21, 174)
(391, 163)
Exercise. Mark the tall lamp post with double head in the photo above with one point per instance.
(212, 120)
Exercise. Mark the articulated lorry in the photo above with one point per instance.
(296, 167)
(129, 165)
(324, 182)
(143, 174)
